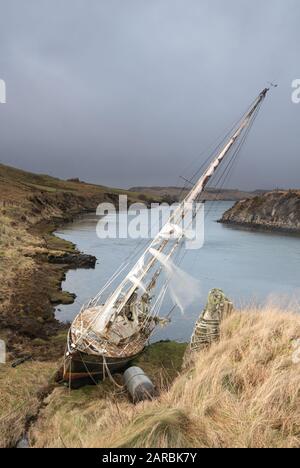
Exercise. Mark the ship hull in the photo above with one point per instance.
(85, 369)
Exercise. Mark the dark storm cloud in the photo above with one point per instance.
(128, 92)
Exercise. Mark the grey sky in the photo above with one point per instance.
(129, 92)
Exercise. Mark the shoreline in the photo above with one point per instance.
(44, 338)
(277, 211)
(257, 227)
(34, 261)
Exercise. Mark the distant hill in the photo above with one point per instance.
(17, 183)
(210, 194)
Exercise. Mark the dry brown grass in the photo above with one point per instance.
(31, 207)
(242, 392)
(20, 397)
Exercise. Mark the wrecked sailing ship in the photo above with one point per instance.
(107, 335)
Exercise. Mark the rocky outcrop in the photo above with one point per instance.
(275, 211)
(73, 260)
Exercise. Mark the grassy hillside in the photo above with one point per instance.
(29, 390)
(242, 392)
(13, 180)
(22, 392)
(31, 207)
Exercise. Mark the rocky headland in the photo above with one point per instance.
(273, 211)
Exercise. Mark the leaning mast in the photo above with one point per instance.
(147, 261)
(107, 337)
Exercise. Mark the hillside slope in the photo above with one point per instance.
(273, 211)
(33, 262)
(242, 392)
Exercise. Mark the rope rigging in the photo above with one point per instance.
(131, 291)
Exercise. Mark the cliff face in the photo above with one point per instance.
(273, 211)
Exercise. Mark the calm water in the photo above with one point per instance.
(248, 266)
